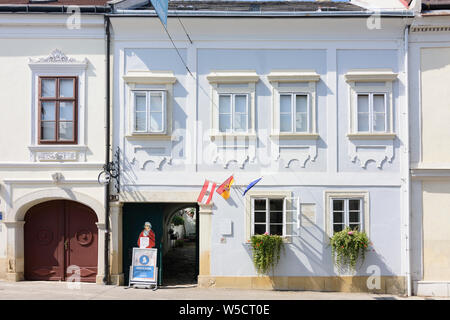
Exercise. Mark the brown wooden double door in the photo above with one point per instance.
(61, 241)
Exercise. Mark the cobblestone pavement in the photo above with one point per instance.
(179, 266)
(39, 290)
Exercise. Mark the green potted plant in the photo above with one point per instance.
(347, 246)
(266, 251)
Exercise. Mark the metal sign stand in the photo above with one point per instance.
(146, 264)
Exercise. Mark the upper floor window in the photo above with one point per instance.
(233, 102)
(294, 113)
(57, 103)
(371, 103)
(149, 111)
(233, 112)
(294, 103)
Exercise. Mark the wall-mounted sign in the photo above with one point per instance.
(143, 269)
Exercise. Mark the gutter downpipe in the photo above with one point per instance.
(106, 277)
(408, 179)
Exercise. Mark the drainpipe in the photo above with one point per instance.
(407, 176)
(106, 277)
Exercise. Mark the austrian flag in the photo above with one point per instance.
(207, 192)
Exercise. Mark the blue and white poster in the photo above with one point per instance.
(143, 268)
(161, 8)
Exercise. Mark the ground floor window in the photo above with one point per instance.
(346, 213)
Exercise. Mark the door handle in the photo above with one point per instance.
(66, 244)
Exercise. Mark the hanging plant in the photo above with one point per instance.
(177, 221)
(347, 246)
(266, 252)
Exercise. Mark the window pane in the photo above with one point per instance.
(301, 122)
(48, 130)
(354, 216)
(66, 131)
(260, 216)
(285, 123)
(276, 217)
(140, 121)
(66, 88)
(363, 122)
(48, 111)
(301, 103)
(355, 226)
(260, 204)
(225, 104)
(155, 102)
(240, 122)
(240, 103)
(338, 205)
(354, 204)
(66, 111)
(224, 122)
(363, 103)
(338, 227)
(285, 103)
(379, 122)
(48, 87)
(156, 121)
(276, 229)
(140, 102)
(276, 204)
(259, 228)
(378, 103)
(338, 217)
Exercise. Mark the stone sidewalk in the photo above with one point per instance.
(39, 290)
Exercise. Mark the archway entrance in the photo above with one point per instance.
(61, 241)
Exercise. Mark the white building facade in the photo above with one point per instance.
(317, 106)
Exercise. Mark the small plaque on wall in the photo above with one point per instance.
(226, 227)
(308, 211)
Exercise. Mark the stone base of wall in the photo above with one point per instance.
(432, 288)
(3, 268)
(388, 284)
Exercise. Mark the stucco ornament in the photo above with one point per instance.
(56, 56)
(365, 152)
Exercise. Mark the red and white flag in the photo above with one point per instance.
(207, 192)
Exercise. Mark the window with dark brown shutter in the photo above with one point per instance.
(58, 110)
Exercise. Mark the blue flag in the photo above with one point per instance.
(251, 185)
(161, 8)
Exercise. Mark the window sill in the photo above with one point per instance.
(52, 147)
(296, 136)
(371, 136)
(150, 136)
(286, 240)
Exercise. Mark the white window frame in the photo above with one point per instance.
(234, 82)
(294, 113)
(371, 82)
(149, 81)
(148, 94)
(294, 82)
(233, 112)
(363, 196)
(286, 196)
(346, 212)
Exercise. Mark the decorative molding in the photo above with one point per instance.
(234, 149)
(57, 156)
(150, 77)
(295, 136)
(232, 76)
(56, 58)
(430, 28)
(293, 76)
(43, 153)
(156, 154)
(370, 75)
(300, 153)
(365, 151)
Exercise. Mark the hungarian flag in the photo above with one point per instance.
(224, 188)
(207, 192)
